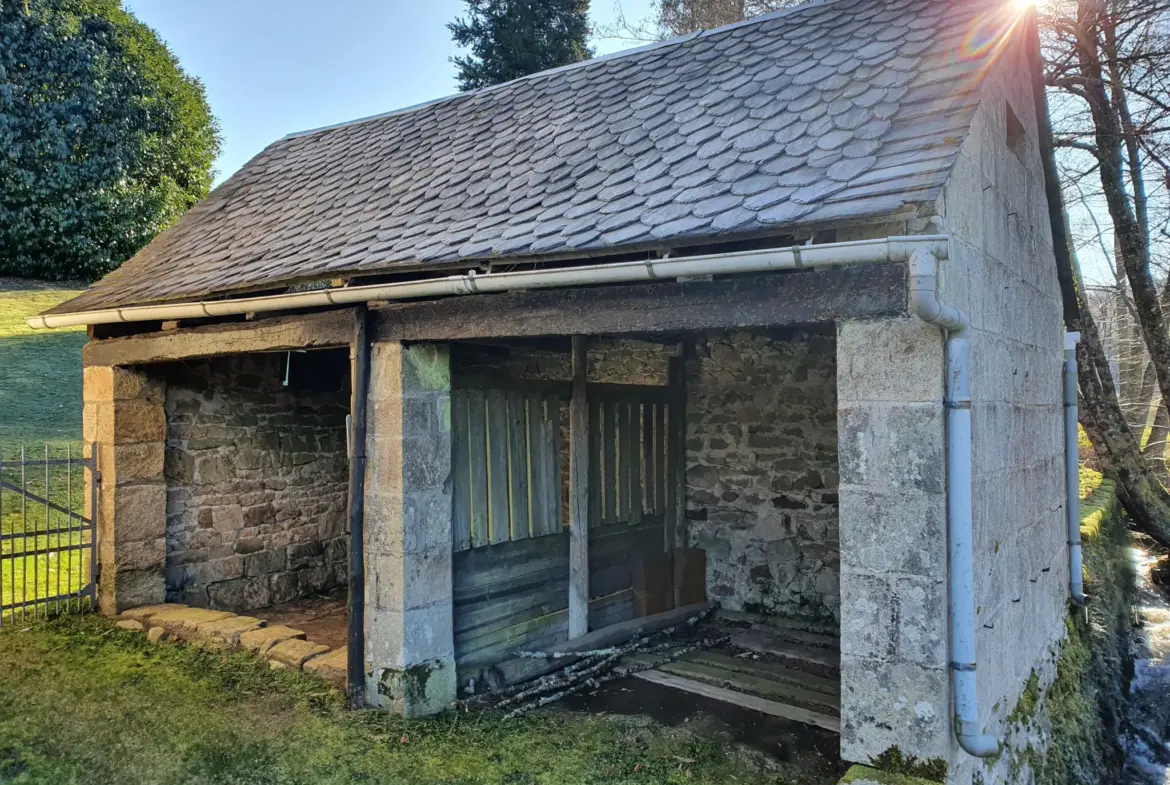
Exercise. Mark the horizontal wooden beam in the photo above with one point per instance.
(767, 300)
(281, 333)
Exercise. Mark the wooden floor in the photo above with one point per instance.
(779, 667)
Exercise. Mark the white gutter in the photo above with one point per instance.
(926, 305)
(890, 249)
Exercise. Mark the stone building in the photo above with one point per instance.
(558, 354)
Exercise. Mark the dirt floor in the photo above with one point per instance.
(323, 619)
(796, 753)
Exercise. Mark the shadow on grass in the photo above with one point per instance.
(40, 387)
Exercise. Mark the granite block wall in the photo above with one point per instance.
(894, 638)
(257, 476)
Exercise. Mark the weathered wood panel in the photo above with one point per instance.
(497, 452)
(613, 553)
(538, 455)
(518, 500)
(579, 492)
(461, 467)
(765, 300)
(281, 333)
(506, 597)
(477, 468)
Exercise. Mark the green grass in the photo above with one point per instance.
(40, 380)
(83, 702)
(40, 403)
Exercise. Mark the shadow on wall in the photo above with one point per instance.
(257, 476)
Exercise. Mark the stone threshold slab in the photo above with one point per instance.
(283, 647)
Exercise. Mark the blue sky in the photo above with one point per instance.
(272, 67)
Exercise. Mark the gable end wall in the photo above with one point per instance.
(1002, 272)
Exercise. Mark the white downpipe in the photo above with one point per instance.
(1072, 467)
(960, 534)
(890, 249)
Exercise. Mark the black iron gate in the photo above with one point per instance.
(48, 537)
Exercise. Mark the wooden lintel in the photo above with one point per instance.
(766, 300)
(281, 333)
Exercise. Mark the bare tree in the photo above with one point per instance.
(672, 18)
(1106, 62)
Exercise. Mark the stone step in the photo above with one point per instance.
(282, 646)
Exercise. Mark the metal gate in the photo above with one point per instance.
(48, 545)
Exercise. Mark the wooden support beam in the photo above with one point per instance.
(766, 300)
(579, 494)
(282, 333)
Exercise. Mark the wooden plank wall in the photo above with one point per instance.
(506, 464)
(511, 561)
(509, 597)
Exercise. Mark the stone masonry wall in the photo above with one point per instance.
(762, 471)
(1003, 271)
(894, 639)
(257, 476)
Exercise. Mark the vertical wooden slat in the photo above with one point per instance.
(595, 483)
(538, 458)
(608, 462)
(478, 469)
(660, 458)
(497, 451)
(625, 461)
(461, 473)
(579, 494)
(634, 438)
(649, 478)
(551, 435)
(518, 466)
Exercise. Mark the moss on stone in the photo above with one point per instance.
(894, 761)
(1083, 704)
(865, 774)
(1026, 705)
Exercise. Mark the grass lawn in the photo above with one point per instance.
(83, 702)
(40, 370)
(40, 404)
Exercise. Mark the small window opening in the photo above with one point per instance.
(1015, 133)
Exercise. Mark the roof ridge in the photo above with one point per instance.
(676, 41)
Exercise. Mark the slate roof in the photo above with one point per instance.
(838, 109)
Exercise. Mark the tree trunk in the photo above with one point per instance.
(1132, 243)
(1154, 453)
(1145, 499)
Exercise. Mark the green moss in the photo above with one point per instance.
(1026, 706)
(894, 761)
(863, 774)
(1084, 702)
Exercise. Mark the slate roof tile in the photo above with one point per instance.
(837, 109)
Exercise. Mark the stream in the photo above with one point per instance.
(1146, 738)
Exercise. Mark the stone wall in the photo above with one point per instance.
(1003, 272)
(894, 633)
(257, 476)
(762, 471)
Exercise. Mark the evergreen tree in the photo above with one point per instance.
(104, 141)
(508, 39)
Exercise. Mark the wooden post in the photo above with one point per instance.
(677, 452)
(579, 494)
